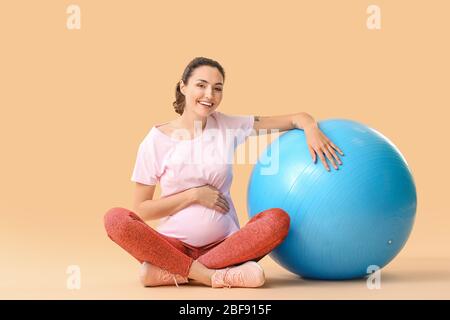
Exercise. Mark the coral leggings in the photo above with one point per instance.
(257, 238)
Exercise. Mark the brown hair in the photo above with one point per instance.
(180, 100)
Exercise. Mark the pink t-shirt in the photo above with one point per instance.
(179, 165)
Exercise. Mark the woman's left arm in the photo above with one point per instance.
(318, 142)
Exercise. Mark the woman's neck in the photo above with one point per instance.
(191, 121)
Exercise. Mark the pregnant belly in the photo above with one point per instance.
(198, 226)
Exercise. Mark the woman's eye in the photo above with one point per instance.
(202, 86)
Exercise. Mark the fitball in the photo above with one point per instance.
(344, 223)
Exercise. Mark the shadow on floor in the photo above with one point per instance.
(416, 276)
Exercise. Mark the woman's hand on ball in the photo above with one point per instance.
(211, 197)
(318, 143)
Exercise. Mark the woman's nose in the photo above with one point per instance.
(208, 93)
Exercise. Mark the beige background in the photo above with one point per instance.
(76, 104)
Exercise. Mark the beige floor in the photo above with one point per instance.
(404, 278)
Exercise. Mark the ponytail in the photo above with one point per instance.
(180, 100)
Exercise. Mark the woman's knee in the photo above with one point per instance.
(115, 218)
(281, 221)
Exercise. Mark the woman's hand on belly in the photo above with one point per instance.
(211, 198)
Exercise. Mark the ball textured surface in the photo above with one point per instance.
(344, 223)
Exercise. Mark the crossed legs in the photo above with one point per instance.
(257, 238)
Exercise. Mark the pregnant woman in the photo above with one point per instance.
(198, 236)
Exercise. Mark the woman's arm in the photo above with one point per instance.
(149, 209)
(318, 142)
(300, 120)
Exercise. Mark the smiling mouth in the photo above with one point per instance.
(206, 104)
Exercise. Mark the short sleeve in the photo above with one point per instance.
(145, 168)
(241, 125)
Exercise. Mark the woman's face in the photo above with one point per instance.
(203, 91)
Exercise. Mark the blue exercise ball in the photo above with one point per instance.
(344, 223)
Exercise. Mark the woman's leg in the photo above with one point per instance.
(131, 233)
(257, 238)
